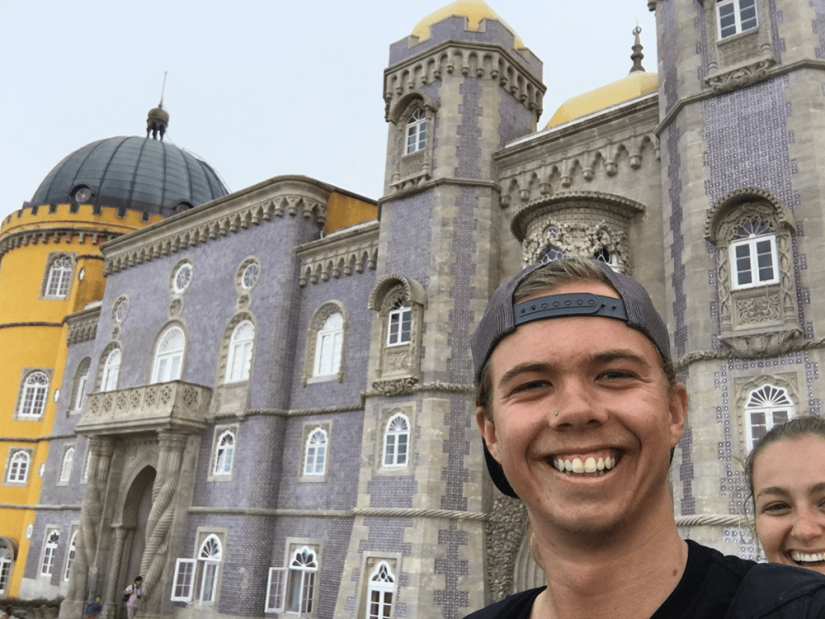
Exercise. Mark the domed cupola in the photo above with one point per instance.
(142, 174)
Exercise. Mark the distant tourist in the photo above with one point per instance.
(93, 609)
(136, 593)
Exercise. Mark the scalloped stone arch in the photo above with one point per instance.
(413, 291)
(744, 389)
(101, 361)
(400, 107)
(733, 199)
(545, 205)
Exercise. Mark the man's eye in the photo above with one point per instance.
(615, 374)
(532, 385)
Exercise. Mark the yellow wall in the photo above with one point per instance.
(22, 277)
(344, 211)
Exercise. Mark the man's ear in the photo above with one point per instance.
(488, 430)
(678, 412)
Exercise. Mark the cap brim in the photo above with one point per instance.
(497, 473)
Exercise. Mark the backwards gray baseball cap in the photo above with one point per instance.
(503, 316)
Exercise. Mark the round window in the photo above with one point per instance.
(250, 275)
(121, 310)
(183, 277)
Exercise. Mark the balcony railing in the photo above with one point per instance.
(165, 406)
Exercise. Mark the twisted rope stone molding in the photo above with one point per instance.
(712, 520)
(380, 512)
(424, 387)
(715, 355)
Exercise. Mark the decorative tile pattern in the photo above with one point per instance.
(450, 598)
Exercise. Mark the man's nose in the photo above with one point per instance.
(576, 405)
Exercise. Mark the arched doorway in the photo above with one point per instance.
(135, 515)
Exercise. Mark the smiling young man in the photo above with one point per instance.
(580, 410)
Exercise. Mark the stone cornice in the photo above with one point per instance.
(277, 197)
(483, 60)
(36, 439)
(9, 325)
(788, 347)
(345, 253)
(82, 325)
(55, 234)
(429, 184)
(72, 508)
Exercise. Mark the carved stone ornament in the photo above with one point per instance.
(764, 308)
(175, 308)
(763, 344)
(505, 532)
(395, 386)
(740, 77)
(577, 239)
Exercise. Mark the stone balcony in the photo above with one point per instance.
(175, 405)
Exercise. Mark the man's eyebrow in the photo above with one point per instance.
(522, 368)
(817, 488)
(618, 354)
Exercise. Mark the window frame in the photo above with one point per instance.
(335, 335)
(752, 407)
(246, 348)
(110, 372)
(401, 309)
(16, 455)
(307, 585)
(71, 553)
(5, 574)
(61, 276)
(47, 559)
(737, 16)
(752, 242)
(167, 358)
(373, 586)
(232, 432)
(313, 473)
(25, 410)
(388, 434)
(415, 132)
(280, 590)
(188, 574)
(66, 464)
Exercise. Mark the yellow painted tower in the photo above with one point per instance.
(50, 267)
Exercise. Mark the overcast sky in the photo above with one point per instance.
(257, 89)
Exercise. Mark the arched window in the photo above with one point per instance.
(399, 321)
(753, 256)
(169, 356)
(209, 559)
(79, 388)
(225, 453)
(766, 407)
(19, 467)
(239, 360)
(316, 453)
(60, 276)
(71, 555)
(49, 551)
(33, 398)
(301, 581)
(111, 370)
(6, 558)
(416, 131)
(551, 254)
(328, 344)
(66, 467)
(381, 586)
(396, 441)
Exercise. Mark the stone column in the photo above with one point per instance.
(172, 445)
(110, 600)
(101, 449)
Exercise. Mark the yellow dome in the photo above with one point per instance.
(634, 85)
(473, 10)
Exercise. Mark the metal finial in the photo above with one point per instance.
(163, 88)
(158, 118)
(637, 54)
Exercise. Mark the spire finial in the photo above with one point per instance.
(637, 54)
(158, 118)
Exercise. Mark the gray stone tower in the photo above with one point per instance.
(456, 91)
(741, 115)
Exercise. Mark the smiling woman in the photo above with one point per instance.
(787, 479)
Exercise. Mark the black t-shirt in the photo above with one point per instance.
(714, 586)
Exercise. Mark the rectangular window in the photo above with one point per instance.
(400, 321)
(754, 262)
(209, 581)
(5, 574)
(182, 585)
(275, 589)
(736, 16)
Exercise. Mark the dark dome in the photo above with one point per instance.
(133, 173)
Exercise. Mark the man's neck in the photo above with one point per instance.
(620, 575)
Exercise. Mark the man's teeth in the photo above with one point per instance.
(588, 466)
(801, 557)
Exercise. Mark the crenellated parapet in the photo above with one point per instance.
(343, 254)
(479, 60)
(82, 325)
